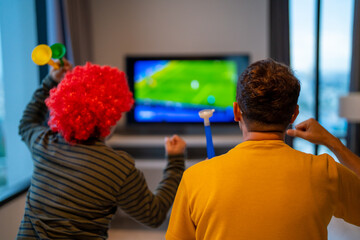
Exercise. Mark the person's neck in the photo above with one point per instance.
(259, 136)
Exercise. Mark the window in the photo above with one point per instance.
(335, 35)
(2, 117)
(18, 79)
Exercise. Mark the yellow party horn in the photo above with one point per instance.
(42, 54)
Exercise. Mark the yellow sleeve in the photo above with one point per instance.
(348, 204)
(181, 225)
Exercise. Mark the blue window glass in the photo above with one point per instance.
(302, 58)
(18, 79)
(2, 137)
(335, 35)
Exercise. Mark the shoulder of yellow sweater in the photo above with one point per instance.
(205, 164)
(323, 156)
(324, 165)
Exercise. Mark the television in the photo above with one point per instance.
(173, 89)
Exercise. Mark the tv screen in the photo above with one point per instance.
(174, 89)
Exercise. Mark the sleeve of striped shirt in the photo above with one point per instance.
(32, 122)
(146, 207)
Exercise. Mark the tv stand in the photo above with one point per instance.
(180, 129)
(145, 146)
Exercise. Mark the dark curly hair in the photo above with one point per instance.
(88, 101)
(267, 94)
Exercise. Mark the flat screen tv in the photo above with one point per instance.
(173, 89)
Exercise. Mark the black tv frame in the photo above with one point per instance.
(177, 126)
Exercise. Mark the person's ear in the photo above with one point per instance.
(237, 112)
(294, 116)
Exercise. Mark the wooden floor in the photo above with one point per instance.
(122, 234)
(124, 228)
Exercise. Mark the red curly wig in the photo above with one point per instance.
(88, 102)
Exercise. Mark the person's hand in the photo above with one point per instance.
(311, 131)
(174, 145)
(58, 74)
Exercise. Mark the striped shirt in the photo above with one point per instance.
(76, 189)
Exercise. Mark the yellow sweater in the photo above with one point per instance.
(264, 190)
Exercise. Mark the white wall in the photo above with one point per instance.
(178, 27)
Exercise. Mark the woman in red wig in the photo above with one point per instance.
(78, 182)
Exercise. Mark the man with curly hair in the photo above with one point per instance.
(78, 182)
(262, 188)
